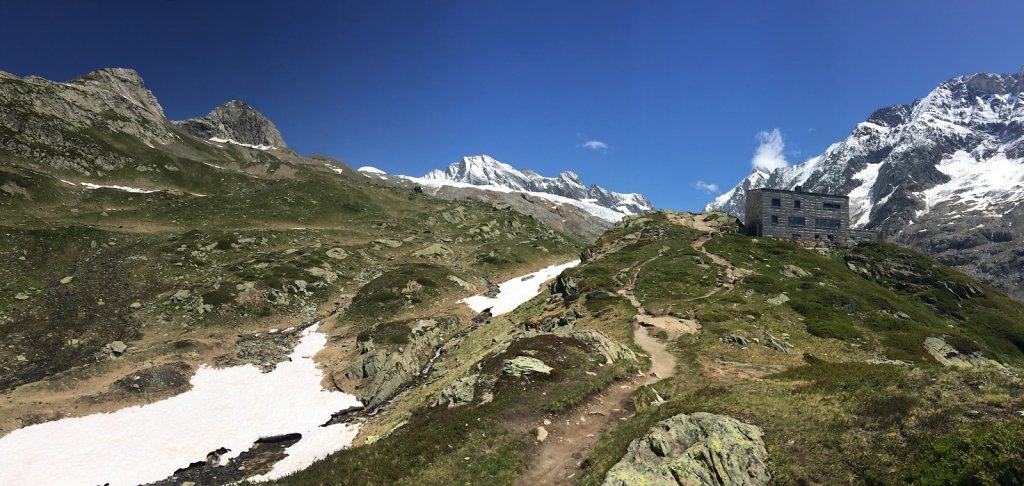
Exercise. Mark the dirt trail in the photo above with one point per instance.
(557, 460)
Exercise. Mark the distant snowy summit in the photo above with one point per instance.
(907, 161)
(944, 174)
(488, 173)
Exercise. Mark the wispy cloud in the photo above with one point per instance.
(594, 145)
(769, 154)
(706, 186)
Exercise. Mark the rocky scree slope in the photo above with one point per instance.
(944, 174)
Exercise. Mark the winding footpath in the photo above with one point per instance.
(557, 459)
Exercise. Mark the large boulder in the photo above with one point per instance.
(525, 365)
(698, 448)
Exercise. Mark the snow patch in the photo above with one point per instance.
(337, 170)
(227, 407)
(516, 291)
(232, 142)
(981, 184)
(366, 169)
(862, 197)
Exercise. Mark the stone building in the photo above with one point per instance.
(800, 215)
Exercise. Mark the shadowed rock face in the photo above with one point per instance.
(699, 448)
(235, 121)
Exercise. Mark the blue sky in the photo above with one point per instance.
(675, 92)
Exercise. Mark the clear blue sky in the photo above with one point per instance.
(677, 90)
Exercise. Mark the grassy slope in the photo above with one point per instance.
(240, 248)
(831, 416)
(832, 412)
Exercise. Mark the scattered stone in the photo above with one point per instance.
(542, 433)
(387, 242)
(21, 296)
(734, 340)
(337, 253)
(699, 448)
(525, 365)
(136, 305)
(435, 250)
(779, 299)
(771, 343)
(181, 295)
(115, 347)
(793, 271)
(66, 280)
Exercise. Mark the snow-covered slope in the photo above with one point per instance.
(945, 174)
(484, 172)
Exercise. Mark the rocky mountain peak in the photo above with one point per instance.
(238, 123)
(123, 82)
(940, 175)
(484, 170)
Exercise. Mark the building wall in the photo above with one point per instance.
(812, 211)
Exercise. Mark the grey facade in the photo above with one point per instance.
(799, 215)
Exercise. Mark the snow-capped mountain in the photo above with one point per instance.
(944, 174)
(487, 173)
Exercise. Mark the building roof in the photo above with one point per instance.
(783, 191)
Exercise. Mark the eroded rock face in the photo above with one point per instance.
(698, 448)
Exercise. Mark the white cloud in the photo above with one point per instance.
(706, 186)
(769, 154)
(594, 145)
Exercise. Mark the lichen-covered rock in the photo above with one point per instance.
(525, 365)
(698, 448)
(435, 250)
(458, 393)
(793, 271)
(947, 355)
(608, 347)
(779, 299)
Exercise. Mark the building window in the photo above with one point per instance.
(776, 203)
(830, 205)
(775, 219)
(797, 236)
(797, 221)
(796, 204)
(826, 223)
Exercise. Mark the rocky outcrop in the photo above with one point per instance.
(949, 356)
(68, 126)
(236, 122)
(699, 448)
(525, 366)
(606, 346)
(458, 393)
(389, 368)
